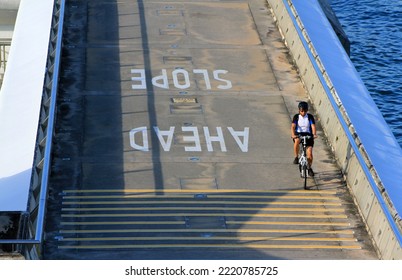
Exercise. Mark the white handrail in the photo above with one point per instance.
(32, 237)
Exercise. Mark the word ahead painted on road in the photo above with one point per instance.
(181, 78)
(139, 138)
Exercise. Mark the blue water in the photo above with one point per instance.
(374, 28)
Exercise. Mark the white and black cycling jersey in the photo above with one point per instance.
(303, 124)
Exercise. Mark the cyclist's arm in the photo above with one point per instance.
(293, 130)
(314, 130)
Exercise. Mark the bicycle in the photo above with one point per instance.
(303, 164)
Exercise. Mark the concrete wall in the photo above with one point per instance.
(9, 4)
(370, 193)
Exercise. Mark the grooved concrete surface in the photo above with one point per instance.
(173, 140)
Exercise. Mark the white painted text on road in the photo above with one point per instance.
(180, 78)
(139, 138)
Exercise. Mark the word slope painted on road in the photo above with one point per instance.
(180, 77)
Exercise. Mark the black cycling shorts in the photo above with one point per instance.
(310, 141)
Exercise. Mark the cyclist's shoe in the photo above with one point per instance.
(296, 160)
(310, 172)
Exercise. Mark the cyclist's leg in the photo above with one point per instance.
(296, 146)
(310, 161)
(309, 152)
(309, 156)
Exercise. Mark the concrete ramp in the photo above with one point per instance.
(173, 140)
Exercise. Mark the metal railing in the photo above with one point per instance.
(31, 228)
(4, 49)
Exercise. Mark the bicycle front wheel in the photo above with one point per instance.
(305, 176)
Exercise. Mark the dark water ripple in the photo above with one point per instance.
(374, 28)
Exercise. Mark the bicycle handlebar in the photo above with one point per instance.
(302, 137)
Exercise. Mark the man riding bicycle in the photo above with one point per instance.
(304, 124)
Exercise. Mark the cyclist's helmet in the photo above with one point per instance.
(303, 106)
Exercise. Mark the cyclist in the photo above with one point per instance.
(304, 124)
